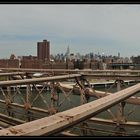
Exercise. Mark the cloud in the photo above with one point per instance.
(108, 28)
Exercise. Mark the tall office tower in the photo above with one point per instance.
(43, 50)
(118, 54)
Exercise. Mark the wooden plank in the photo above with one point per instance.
(10, 120)
(70, 70)
(12, 73)
(111, 122)
(112, 76)
(38, 80)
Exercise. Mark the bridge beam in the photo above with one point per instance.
(12, 73)
(38, 80)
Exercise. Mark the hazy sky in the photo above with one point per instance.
(85, 28)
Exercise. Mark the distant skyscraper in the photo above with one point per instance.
(43, 50)
(119, 55)
(67, 54)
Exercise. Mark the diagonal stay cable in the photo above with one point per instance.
(40, 92)
(20, 94)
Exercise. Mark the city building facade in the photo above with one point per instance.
(43, 50)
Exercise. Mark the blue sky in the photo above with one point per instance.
(85, 28)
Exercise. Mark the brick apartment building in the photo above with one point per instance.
(43, 50)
